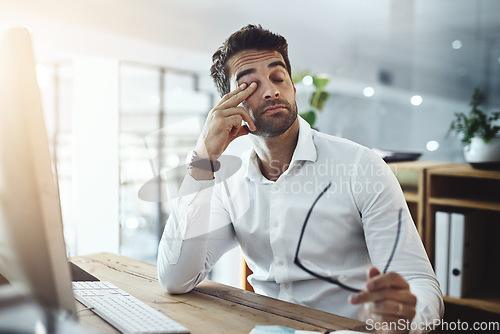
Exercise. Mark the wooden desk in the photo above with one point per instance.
(210, 308)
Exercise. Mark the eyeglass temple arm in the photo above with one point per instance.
(395, 242)
(307, 219)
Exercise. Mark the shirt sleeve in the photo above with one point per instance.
(379, 206)
(197, 233)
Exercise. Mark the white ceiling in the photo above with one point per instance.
(410, 40)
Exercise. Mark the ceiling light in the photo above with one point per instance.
(307, 80)
(432, 145)
(456, 44)
(416, 100)
(368, 91)
(132, 223)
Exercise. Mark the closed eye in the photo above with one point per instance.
(277, 78)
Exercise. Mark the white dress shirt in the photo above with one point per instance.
(352, 227)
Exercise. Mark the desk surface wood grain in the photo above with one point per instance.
(210, 308)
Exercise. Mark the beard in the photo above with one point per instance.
(273, 125)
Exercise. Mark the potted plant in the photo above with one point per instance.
(318, 97)
(480, 134)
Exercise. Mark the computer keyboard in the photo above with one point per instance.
(123, 311)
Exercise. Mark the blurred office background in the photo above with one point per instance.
(125, 87)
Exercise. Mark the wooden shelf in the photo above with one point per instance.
(489, 304)
(432, 186)
(411, 197)
(418, 165)
(461, 188)
(466, 170)
(465, 203)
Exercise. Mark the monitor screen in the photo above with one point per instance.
(32, 248)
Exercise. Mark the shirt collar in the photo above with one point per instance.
(304, 151)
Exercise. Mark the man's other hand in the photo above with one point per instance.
(387, 299)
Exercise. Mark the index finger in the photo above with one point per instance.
(239, 95)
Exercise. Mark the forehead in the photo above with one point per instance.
(251, 59)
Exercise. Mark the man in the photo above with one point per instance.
(265, 204)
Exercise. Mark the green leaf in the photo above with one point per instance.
(309, 116)
(318, 99)
(320, 81)
(298, 76)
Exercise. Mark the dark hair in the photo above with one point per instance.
(250, 37)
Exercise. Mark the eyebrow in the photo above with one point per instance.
(252, 70)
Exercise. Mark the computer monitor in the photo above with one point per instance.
(32, 249)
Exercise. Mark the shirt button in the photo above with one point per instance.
(286, 286)
(276, 186)
(275, 223)
(280, 262)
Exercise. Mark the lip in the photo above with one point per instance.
(273, 109)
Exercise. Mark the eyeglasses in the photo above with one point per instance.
(325, 275)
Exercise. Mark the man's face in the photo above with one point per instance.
(272, 106)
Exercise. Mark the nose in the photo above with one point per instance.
(270, 91)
